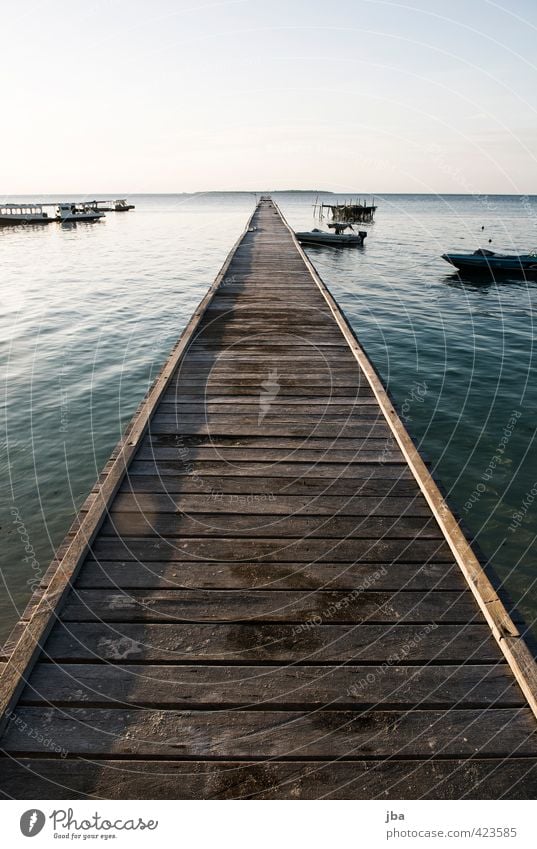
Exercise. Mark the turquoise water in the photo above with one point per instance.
(89, 313)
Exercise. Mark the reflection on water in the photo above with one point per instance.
(90, 312)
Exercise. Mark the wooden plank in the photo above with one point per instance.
(54, 778)
(380, 645)
(267, 606)
(312, 576)
(228, 386)
(367, 416)
(205, 468)
(183, 400)
(269, 358)
(270, 550)
(208, 409)
(286, 374)
(281, 505)
(238, 428)
(290, 688)
(247, 487)
(319, 444)
(280, 734)
(170, 525)
(325, 376)
(272, 457)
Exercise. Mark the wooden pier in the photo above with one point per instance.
(265, 596)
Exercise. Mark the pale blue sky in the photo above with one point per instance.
(365, 95)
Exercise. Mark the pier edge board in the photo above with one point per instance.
(506, 633)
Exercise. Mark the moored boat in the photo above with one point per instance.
(119, 205)
(72, 212)
(338, 238)
(26, 213)
(488, 263)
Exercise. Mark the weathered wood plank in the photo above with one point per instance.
(269, 606)
(322, 444)
(227, 385)
(271, 457)
(247, 487)
(380, 645)
(205, 468)
(239, 428)
(313, 576)
(290, 688)
(367, 416)
(172, 525)
(252, 410)
(183, 399)
(270, 550)
(280, 734)
(280, 505)
(49, 778)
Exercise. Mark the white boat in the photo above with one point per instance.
(338, 238)
(25, 213)
(72, 212)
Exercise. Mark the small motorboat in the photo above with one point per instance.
(338, 238)
(70, 213)
(488, 263)
(121, 205)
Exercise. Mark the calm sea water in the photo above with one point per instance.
(89, 313)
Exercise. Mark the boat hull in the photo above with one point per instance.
(23, 220)
(331, 239)
(493, 266)
(73, 219)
